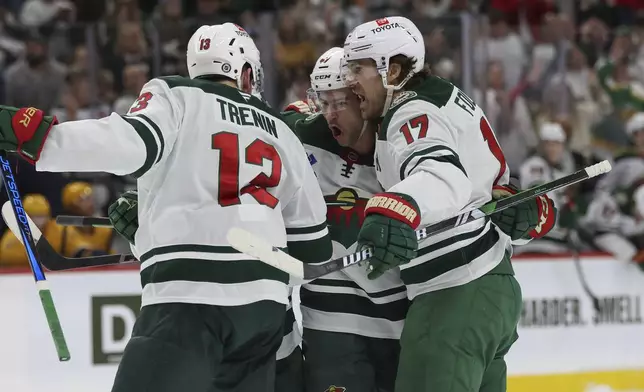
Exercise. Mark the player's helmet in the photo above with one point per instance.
(383, 39)
(36, 205)
(635, 123)
(326, 76)
(74, 191)
(224, 50)
(326, 73)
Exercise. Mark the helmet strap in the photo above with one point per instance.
(391, 89)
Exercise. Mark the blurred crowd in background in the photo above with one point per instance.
(561, 82)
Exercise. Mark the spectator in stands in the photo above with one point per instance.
(625, 92)
(35, 80)
(78, 199)
(134, 77)
(293, 50)
(12, 252)
(78, 102)
(629, 165)
(11, 47)
(614, 223)
(508, 115)
(211, 12)
(593, 37)
(168, 22)
(574, 94)
(503, 45)
(131, 48)
(551, 161)
(42, 13)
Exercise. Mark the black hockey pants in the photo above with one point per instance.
(201, 348)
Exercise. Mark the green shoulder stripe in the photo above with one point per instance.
(423, 155)
(434, 90)
(151, 146)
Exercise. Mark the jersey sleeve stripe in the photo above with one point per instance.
(314, 251)
(306, 230)
(424, 272)
(158, 132)
(186, 248)
(437, 153)
(221, 272)
(327, 302)
(351, 284)
(151, 145)
(307, 236)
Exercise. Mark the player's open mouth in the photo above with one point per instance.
(335, 131)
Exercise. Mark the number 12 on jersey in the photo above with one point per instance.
(229, 190)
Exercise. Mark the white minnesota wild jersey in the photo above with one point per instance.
(208, 158)
(346, 301)
(436, 145)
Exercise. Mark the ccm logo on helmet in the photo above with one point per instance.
(321, 77)
(388, 26)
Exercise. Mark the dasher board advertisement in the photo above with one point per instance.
(565, 344)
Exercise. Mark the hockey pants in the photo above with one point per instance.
(289, 373)
(355, 363)
(455, 340)
(202, 348)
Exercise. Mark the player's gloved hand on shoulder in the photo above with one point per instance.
(298, 106)
(124, 216)
(528, 220)
(24, 131)
(389, 228)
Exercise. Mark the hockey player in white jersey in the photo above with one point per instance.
(436, 156)
(208, 156)
(629, 164)
(351, 324)
(614, 222)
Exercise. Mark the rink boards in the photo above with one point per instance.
(565, 344)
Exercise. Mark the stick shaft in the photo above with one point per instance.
(30, 247)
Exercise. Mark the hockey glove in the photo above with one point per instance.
(124, 216)
(24, 131)
(388, 227)
(529, 220)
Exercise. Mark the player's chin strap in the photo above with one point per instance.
(391, 90)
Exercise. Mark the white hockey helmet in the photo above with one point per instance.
(326, 81)
(382, 39)
(635, 123)
(224, 50)
(326, 73)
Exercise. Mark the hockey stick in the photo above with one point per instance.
(252, 245)
(93, 221)
(574, 243)
(24, 233)
(51, 259)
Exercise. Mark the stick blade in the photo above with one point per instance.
(254, 246)
(12, 223)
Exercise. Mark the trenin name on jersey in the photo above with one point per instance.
(246, 116)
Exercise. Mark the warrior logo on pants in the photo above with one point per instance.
(333, 388)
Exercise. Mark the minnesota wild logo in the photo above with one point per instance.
(345, 214)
